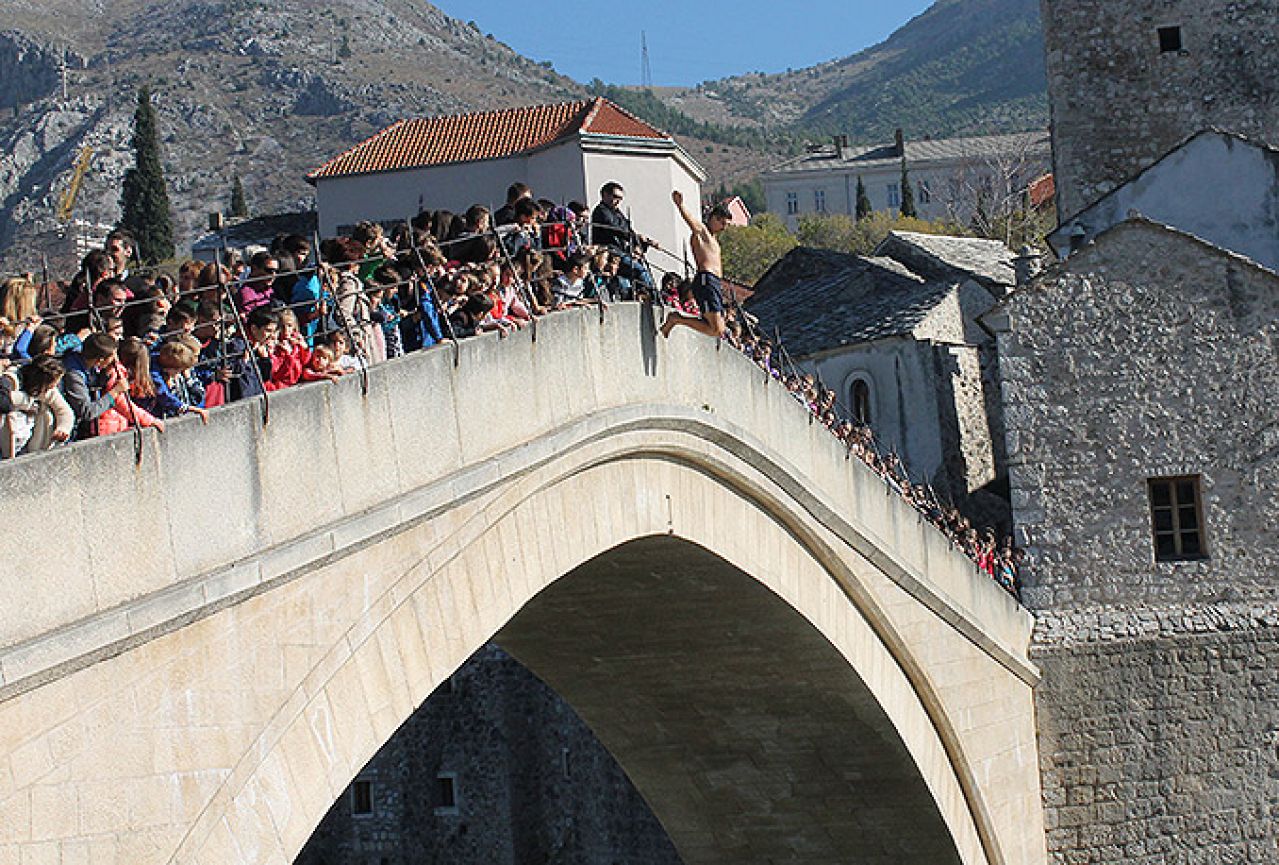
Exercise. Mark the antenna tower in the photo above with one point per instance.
(646, 70)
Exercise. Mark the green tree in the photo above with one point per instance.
(751, 250)
(908, 193)
(863, 200)
(861, 237)
(144, 199)
(828, 231)
(239, 206)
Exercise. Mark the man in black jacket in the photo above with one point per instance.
(611, 228)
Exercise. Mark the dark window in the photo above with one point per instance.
(446, 793)
(1176, 516)
(861, 401)
(362, 798)
(1169, 39)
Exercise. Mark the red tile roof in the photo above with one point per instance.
(487, 135)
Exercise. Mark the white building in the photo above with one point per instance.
(564, 152)
(948, 176)
(1218, 186)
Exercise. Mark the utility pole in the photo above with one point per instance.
(646, 70)
(63, 71)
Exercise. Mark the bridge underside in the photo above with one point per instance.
(750, 736)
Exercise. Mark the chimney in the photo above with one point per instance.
(1026, 265)
(841, 142)
(1078, 234)
(900, 141)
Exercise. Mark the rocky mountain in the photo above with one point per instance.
(263, 90)
(269, 90)
(961, 67)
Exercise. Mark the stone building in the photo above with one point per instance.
(493, 769)
(896, 336)
(1139, 382)
(1128, 81)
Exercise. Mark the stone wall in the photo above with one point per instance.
(1148, 354)
(1119, 103)
(1158, 737)
(533, 785)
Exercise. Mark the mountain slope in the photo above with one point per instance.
(266, 91)
(963, 66)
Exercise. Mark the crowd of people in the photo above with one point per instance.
(1001, 560)
(119, 348)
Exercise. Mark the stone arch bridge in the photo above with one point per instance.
(197, 654)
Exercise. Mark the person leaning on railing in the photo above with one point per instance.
(33, 413)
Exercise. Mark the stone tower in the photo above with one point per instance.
(1130, 79)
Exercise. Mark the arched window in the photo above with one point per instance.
(860, 401)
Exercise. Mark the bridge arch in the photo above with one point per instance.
(342, 648)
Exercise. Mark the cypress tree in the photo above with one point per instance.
(239, 206)
(908, 194)
(144, 200)
(863, 200)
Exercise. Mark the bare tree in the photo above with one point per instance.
(991, 191)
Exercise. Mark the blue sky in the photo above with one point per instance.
(688, 42)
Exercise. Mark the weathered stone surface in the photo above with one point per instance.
(1148, 354)
(1119, 104)
(532, 784)
(1158, 735)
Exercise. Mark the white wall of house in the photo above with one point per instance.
(398, 195)
(1216, 187)
(648, 181)
(557, 173)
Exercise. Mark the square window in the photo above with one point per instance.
(1169, 39)
(1176, 517)
(362, 799)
